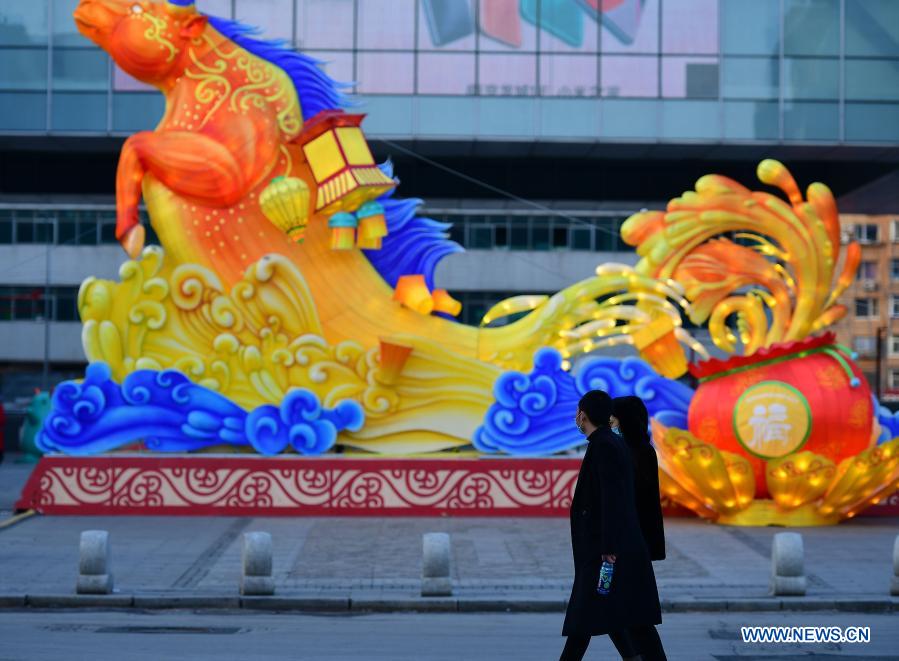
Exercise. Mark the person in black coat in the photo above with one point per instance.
(630, 416)
(605, 526)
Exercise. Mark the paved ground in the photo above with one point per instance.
(220, 636)
(372, 557)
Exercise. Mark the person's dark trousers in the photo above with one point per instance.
(643, 641)
(575, 648)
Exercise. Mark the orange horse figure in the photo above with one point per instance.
(234, 106)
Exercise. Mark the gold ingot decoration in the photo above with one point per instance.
(798, 479)
(445, 303)
(412, 292)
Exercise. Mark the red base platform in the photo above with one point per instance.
(249, 485)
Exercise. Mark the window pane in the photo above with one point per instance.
(812, 27)
(220, 8)
(872, 80)
(690, 26)
(630, 27)
(581, 238)
(87, 233)
(387, 24)
(79, 111)
(500, 27)
(867, 270)
(872, 28)
(690, 77)
(480, 236)
(811, 121)
(107, 233)
(338, 65)
(80, 69)
(629, 76)
(324, 24)
(23, 22)
(507, 75)
(273, 17)
(750, 28)
(43, 232)
(448, 24)
(446, 73)
(66, 307)
(751, 120)
(750, 78)
(25, 231)
(568, 75)
(23, 111)
(872, 121)
(23, 68)
(540, 236)
(66, 231)
(564, 26)
(136, 112)
(501, 235)
(5, 230)
(64, 31)
(622, 118)
(519, 234)
(690, 119)
(560, 236)
(385, 73)
(811, 79)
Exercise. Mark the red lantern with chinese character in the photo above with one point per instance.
(804, 396)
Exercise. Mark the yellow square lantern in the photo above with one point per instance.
(341, 162)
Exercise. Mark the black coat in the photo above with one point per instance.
(604, 521)
(649, 507)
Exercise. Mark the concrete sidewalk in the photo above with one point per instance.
(375, 563)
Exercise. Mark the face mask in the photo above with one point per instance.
(578, 425)
(616, 431)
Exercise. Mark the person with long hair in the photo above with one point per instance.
(605, 529)
(630, 417)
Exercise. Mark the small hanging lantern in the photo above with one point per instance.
(391, 360)
(285, 202)
(659, 347)
(372, 225)
(412, 291)
(341, 162)
(445, 303)
(343, 230)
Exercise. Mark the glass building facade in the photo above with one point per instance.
(819, 71)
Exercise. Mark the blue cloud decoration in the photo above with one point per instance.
(173, 414)
(534, 413)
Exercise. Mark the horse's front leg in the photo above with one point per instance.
(192, 165)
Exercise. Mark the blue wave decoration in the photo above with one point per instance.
(414, 244)
(534, 413)
(171, 413)
(889, 422)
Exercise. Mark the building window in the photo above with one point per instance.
(894, 231)
(894, 379)
(894, 345)
(894, 307)
(865, 345)
(867, 233)
(865, 308)
(894, 269)
(867, 270)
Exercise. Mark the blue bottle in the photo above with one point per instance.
(605, 578)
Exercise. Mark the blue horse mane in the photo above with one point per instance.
(315, 89)
(414, 244)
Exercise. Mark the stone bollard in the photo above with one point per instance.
(256, 578)
(787, 565)
(894, 581)
(94, 575)
(435, 565)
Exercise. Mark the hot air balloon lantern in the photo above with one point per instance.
(285, 202)
(344, 169)
(372, 225)
(343, 230)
